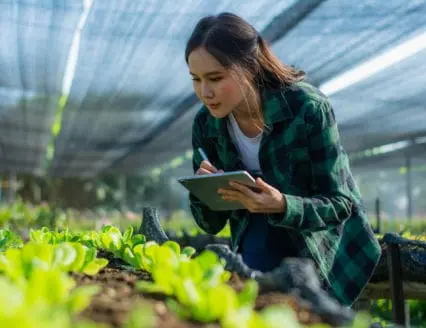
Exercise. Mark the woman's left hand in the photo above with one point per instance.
(268, 200)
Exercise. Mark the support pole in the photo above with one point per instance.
(377, 203)
(409, 188)
(11, 190)
(123, 192)
(393, 255)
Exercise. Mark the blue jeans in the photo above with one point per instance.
(255, 247)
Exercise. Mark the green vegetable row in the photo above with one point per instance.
(197, 287)
(36, 289)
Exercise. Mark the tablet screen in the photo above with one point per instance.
(205, 187)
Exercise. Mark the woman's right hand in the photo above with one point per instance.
(207, 168)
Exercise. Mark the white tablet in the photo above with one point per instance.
(205, 187)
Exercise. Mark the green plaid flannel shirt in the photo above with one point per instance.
(300, 155)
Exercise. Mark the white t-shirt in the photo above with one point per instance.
(247, 147)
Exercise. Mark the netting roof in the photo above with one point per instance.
(35, 39)
(130, 104)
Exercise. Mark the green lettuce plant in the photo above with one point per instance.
(75, 257)
(109, 239)
(133, 248)
(18, 212)
(9, 239)
(46, 298)
(152, 257)
(44, 235)
(112, 240)
(220, 303)
(36, 289)
(198, 285)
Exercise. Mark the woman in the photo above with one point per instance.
(259, 115)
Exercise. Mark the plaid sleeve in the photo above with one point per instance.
(331, 202)
(210, 221)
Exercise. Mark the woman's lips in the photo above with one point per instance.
(214, 106)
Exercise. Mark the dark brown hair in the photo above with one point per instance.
(237, 45)
(233, 41)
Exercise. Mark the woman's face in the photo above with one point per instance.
(215, 85)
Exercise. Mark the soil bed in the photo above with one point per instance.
(118, 295)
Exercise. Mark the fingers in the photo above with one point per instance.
(234, 195)
(229, 193)
(245, 190)
(267, 200)
(202, 171)
(208, 166)
(252, 200)
(263, 186)
(252, 205)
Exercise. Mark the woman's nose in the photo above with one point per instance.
(206, 91)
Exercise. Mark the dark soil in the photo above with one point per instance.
(118, 296)
(270, 298)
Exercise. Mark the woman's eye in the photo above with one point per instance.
(216, 79)
(195, 79)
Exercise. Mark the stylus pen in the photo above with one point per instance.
(203, 155)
